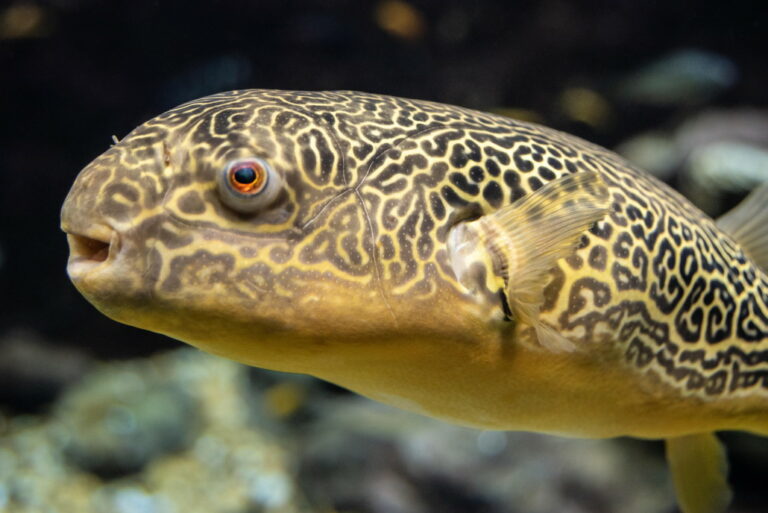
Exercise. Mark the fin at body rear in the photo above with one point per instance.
(747, 223)
(699, 472)
(524, 240)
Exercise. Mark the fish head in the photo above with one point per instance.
(249, 220)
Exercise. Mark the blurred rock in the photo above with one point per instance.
(363, 456)
(165, 435)
(124, 416)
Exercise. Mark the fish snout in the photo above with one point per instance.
(98, 266)
(91, 241)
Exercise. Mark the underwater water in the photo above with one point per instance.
(96, 416)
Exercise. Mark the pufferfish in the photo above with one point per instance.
(459, 264)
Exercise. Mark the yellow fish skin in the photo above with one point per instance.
(467, 266)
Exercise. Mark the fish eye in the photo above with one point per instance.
(248, 185)
(247, 177)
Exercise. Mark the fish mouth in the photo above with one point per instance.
(91, 250)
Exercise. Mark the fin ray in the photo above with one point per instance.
(699, 471)
(526, 238)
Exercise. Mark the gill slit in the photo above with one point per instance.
(375, 258)
(325, 207)
(356, 189)
(342, 156)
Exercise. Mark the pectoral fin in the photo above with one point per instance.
(699, 471)
(524, 240)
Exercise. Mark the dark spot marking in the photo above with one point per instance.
(600, 294)
(522, 164)
(460, 181)
(424, 246)
(501, 156)
(555, 163)
(546, 173)
(624, 278)
(750, 315)
(437, 205)
(534, 183)
(492, 167)
(202, 269)
(459, 157)
(117, 208)
(512, 180)
(598, 256)
(575, 261)
(474, 151)
(452, 198)
(689, 318)
(476, 173)
(552, 289)
(603, 230)
(689, 265)
(191, 203)
(363, 150)
(720, 313)
(493, 194)
(622, 245)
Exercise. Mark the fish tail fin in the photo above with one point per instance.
(699, 469)
(747, 223)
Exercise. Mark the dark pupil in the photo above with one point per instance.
(245, 175)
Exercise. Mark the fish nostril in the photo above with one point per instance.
(87, 248)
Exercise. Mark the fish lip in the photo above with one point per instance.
(91, 249)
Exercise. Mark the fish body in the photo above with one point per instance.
(463, 265)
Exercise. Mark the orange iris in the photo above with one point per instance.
(247, 177)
